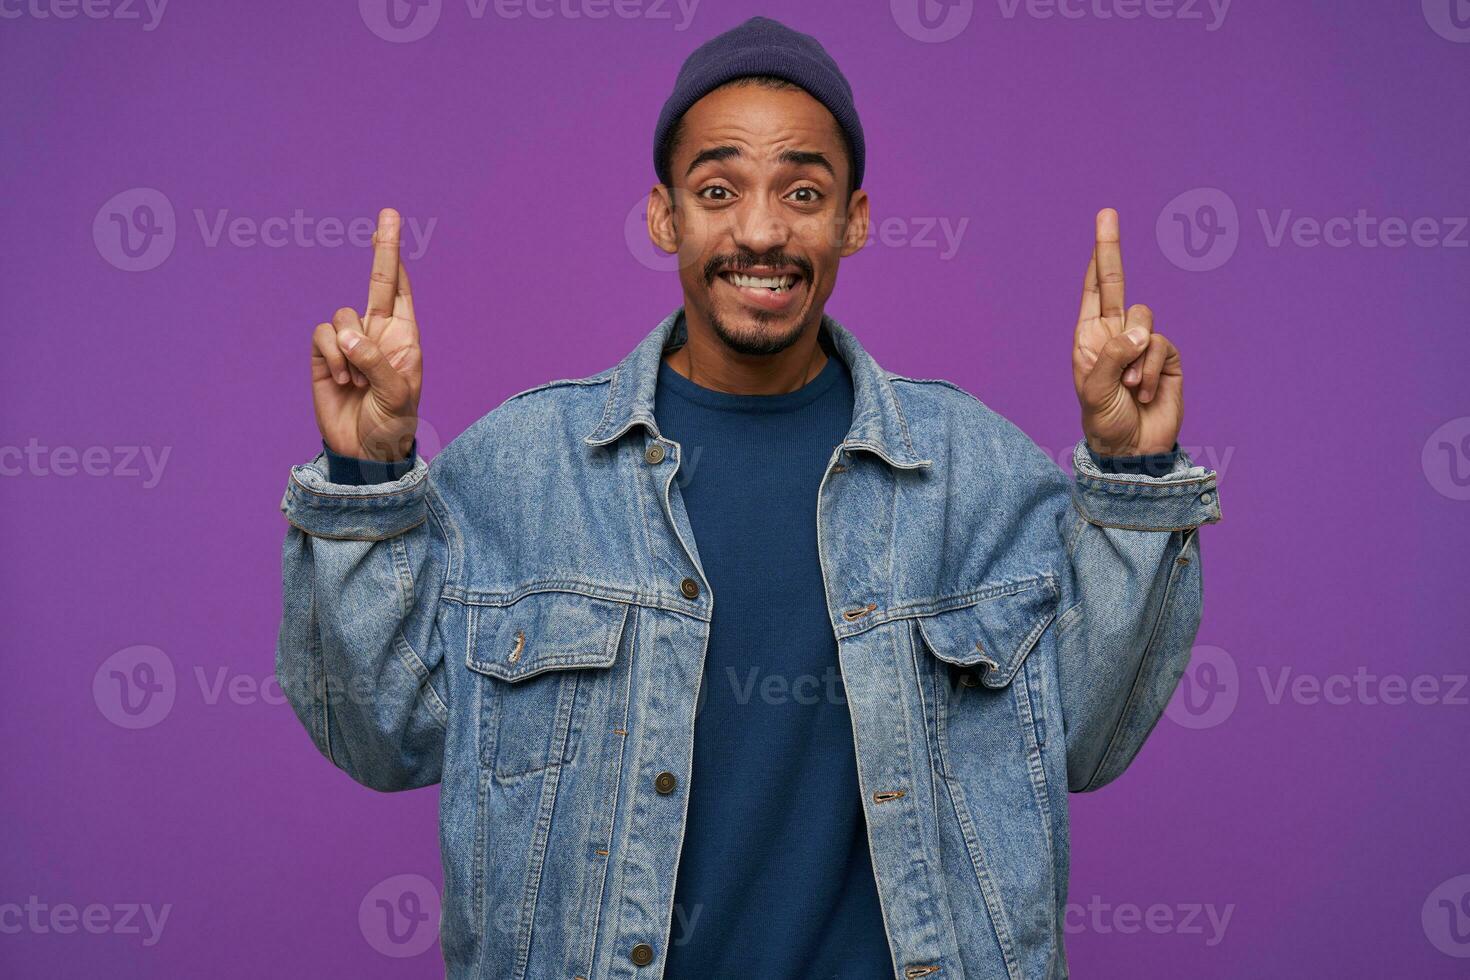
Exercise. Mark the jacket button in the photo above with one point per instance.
(641, 955)
(664, 782)
(690, 588)
(654, 455)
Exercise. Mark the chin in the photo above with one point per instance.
(757, 332)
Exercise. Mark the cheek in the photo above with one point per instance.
(821, 235)
(698, 238)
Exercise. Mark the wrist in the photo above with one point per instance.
(389, 442)
(1101, 448)
(1144, 464)
(361, 470)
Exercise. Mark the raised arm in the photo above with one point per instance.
(1132, 600)
(364, 562)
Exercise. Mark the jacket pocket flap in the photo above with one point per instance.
(545, 631)
(996, 633)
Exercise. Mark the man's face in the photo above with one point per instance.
(760, 215)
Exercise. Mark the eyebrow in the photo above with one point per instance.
(800, 158)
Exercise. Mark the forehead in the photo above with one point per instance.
(759, 118)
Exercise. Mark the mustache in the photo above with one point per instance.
(749, 260)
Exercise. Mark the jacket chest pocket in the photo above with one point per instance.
(545, 658)
(984, 694)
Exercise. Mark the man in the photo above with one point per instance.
(745, 657)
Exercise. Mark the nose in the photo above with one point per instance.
(761, 225)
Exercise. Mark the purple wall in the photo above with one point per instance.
(1301, 811)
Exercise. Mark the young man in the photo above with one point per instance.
(811, 707)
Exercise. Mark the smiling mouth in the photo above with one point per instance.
(776, 285)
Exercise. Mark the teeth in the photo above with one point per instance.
(774, 283)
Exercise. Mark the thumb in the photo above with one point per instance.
(1107, 374)
(368, 358)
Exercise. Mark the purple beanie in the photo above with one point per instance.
(761, 46)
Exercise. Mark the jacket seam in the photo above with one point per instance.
(297, 484)
(355, 537)
(1146, 527)
(934, 607)
(1095, 781)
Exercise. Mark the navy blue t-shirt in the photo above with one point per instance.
(775, 878)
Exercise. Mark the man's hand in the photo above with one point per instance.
(366, 378)
(1128, 378)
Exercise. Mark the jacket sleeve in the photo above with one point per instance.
(358, 654)
(1131, 599)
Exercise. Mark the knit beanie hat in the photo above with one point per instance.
(761, 46)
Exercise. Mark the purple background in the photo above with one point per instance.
(1326, 384)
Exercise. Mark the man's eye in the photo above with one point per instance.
(812, 195)
(715, 193)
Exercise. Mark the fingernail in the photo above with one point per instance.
(1131, 376)
(343, 377)
(1136, 335)
(348, 339)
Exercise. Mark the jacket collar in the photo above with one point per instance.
(877, 422)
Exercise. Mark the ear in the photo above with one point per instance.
(661, 227)
(856, 234)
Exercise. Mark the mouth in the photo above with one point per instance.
(766, 289)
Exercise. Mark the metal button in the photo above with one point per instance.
(641, 955)
(654, 455)
(664, 782)
(690, 588)
(1206, 497)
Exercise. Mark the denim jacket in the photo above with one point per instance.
(523, 621)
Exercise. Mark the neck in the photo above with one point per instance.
(706, 360)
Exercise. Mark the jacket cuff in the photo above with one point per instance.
(354, 472)
(1184, 497)
(317, 505)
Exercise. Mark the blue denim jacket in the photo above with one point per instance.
(523, 621)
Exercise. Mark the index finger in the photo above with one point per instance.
(1091, 301)
(1110, 266)
(384, 284)
(403, 301)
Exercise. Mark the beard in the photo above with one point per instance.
(761, 343)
